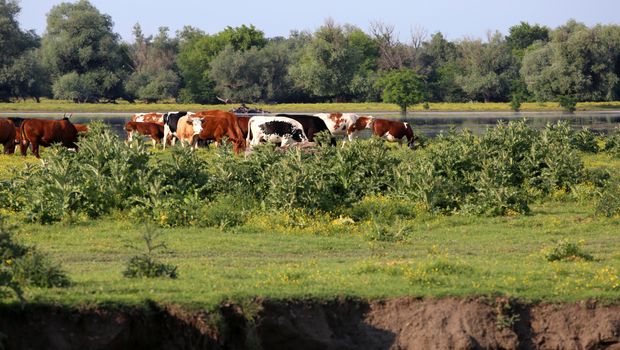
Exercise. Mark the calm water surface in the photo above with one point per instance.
(428, 123)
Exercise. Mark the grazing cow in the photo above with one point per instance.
(81, 128)
(216, 128)
(148, 118)
(312, 125)
(42, 132)
(275, 130)
(344, 124)
(242, 121)
(188, 129)
(171, 120)
(236, 130)
(154, 130)
(393, 131)
(7, 135)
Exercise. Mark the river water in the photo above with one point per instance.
(427, 123)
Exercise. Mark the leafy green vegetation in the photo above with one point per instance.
(464, 215)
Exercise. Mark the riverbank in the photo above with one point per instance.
(401, 323)
(55, 106)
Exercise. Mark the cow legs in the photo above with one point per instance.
(35, 149)
(23, 147)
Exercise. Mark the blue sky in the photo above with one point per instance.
(456, 19)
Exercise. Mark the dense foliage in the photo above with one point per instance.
(80, 58)
(22, 266)
(498, 173)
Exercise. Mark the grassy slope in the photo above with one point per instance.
(457, 255)
(65, 106)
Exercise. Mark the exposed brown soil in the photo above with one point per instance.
(403, 323)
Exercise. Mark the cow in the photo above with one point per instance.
(242, 121)
(312, 125)
(7, 135)
(81, 128)
(392, 130)
(43, 132)
(216, 128)
(280, 130)
(148, 118)
(154, 130)
(344, 124)
(236, 133)
(188, 129)
(171, 119)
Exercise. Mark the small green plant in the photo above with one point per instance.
(507, 313)
(565, 250)
(568, 103)
(383, 231)
(426, 106)
(145, 265)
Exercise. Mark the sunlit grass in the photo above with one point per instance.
(123, 106)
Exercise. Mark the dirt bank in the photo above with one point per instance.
(404, 323)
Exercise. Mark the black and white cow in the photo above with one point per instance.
(171, 120)
(280, 130)
(312, 125)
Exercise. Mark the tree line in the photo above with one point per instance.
(80, 58)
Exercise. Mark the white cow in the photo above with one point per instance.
(188, 129)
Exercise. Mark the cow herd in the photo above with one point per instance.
(193, 129)
(245, 132)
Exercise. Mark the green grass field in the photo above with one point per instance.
(325, 257)
(121, 106)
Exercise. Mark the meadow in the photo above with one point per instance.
(515, 212)
(61, 106)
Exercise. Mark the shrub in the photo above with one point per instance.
(567, 251)
(225, 212)
(22, 266)
(568, 103)
(609, 202)
(612, 142)
(382, 230)
(585, 140)
(36, 269)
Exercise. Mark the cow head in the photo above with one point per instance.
(298, 135)
(196, 125)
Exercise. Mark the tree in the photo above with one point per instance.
(523, 35)
(579, 62)
(403, 87)
(255, 74)
(21, 75)
(329, 63)
(198, 49)
(488, 68)
(155, 74)
(79, 43)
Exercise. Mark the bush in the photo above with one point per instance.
(585, 140)
(24, 266)
(568, 103)
(225, 212)
(567, 251)
(36, 269)
(609, 202)
(612, 142)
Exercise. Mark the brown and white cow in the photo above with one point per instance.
(43, 132)
(217, 128)
(392, 130)
(7, 135)
(235, 123)
(151, 117)
(154, 130)
(345, 124)
(188, 129)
